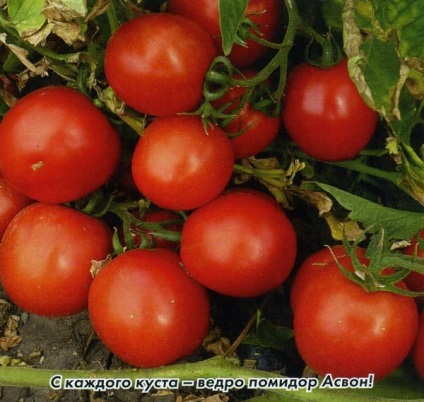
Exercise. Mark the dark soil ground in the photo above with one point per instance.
(64, 343)
(69, 343)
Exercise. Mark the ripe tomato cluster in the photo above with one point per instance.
(156, 294)
(150, 303)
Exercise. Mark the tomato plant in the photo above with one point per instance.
(149, 63)
(152, 226)
(57, 146)
(155, 77)
(46, 255)
(240, 244)
(418, 350)
(252, 129)
(265, 16)
(415, 280)
(340, 328)
(146, 309)
(177, 165)
(11, 202)
(324, 113)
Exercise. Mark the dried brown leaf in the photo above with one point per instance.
(99, 8)
(342, 228)
(10, 336)
(19, 52)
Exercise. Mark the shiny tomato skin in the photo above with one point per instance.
(261, 130)
(324, 114)
(178, 166)
(57, 146)
(156, 63)
(257, 129)
(266, 14)
(146, 309)
(418, 350)
(240, 244)
(311, 267)
(46, 255)
(343, 330)
(11, 202)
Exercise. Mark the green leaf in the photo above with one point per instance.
(397, 224)
(407, 19)
(231, 15)
(381, 70)
(26, 15)
(269, 335)
(382, 39)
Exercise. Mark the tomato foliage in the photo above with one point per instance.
(265, 130)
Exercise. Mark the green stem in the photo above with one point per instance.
(217, 367)
(411, 154)
(359, 167)
(112, 18)
(257, 172)
(281, 57)
(272, 177)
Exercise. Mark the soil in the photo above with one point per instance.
(70, 343)
(62, 343)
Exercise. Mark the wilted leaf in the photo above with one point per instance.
(97, 265)
(342, 228)
(219, 346)
(26, 15)
(67, 19)
(382, 40)
(270, 174)
(116, 106)
(19, 52)
(38, 37)
(321, 201)
(10, 337)
(99, 8)
(38, 69)
(65, 10)
(215, 343)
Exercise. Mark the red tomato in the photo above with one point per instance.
(156, 63)
(11, 202)
(341, 329)
(257, 128)
(316, 262)
(324, 113)
(46, 255)
(57, 146)
(146, 309)
(240, 244)
(266, 14)
(415, 280)
(418, 350)
(178, 166)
